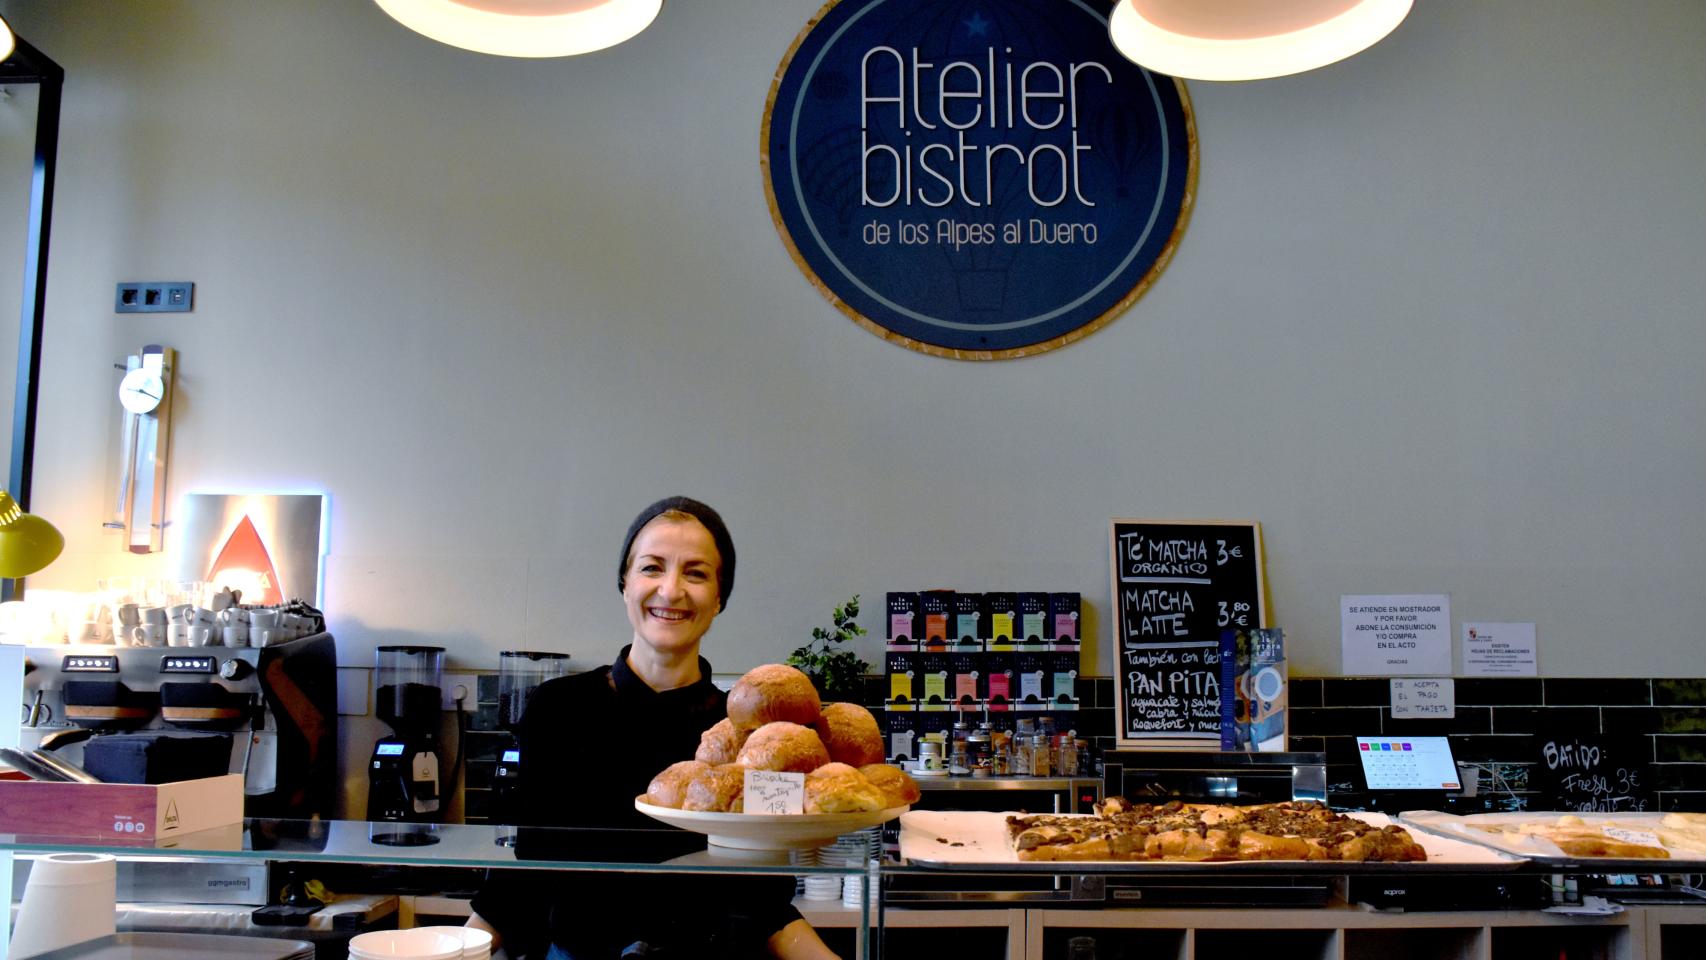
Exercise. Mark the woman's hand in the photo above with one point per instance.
(798, 941)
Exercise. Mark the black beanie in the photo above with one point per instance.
(708, 518)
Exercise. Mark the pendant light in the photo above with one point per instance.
(1248, 39)
(8, 42)
(525, 28)
(27, 542)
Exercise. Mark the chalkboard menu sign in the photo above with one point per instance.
(1592, 772)
(1176, 586)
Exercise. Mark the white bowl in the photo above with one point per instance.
(476, 943)
(420, 943)
(767, 831)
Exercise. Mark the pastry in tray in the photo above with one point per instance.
(1123, 830)
(1648, 838)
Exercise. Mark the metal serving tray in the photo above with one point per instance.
(1431, 823)
(977, 841)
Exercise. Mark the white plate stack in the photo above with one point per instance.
(420, 943)
(802, 858)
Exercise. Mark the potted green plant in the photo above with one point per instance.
(836, 671)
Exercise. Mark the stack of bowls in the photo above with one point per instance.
(420, 943)
(802, 858)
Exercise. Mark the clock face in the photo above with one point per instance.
(141, 391)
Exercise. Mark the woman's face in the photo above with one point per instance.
(671, 586)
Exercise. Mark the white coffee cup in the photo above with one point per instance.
(259, 619)
(180, 612)
(128, 615)
(265, 636)
(201, 634)
(236, 634)
(178, 635)
(149, 635)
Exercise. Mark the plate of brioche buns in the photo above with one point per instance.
(776, 721)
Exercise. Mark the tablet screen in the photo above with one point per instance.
(1408, 763)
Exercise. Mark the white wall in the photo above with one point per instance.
(1436, 323)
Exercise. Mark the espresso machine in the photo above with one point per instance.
(404, 775)
(520, 672)
(275, 706)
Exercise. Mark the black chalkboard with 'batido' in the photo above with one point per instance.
(1592, 773)
(1176, 586)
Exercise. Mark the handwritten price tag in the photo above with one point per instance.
(768, 791)
(1632, 836)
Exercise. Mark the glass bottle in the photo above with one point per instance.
(1022, 747)
(1039, 756)
(1067, 753)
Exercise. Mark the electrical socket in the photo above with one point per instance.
(465, 684)
(154, 297)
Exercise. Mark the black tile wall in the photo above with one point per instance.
(1668, 693)
(1564, 692)
(1496, 721)
(1498, 691)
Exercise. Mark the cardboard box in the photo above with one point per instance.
(968, 623)
(903, 617)
(1003, 610)
(1033, 618)
(121, 812)
(935, 611)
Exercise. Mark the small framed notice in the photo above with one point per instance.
(1499, 650)
(771, 791)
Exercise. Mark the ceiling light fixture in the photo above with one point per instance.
(1249, 39)
(525, 28)
(8, 42)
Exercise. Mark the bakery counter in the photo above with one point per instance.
(444, 845)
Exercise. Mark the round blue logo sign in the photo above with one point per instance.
(977, 179)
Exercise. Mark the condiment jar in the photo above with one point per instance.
(977, 752)
(1000, 757)
(930, 756)
(1066, 756)
(1039, 756)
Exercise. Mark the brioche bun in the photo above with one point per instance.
(850, 734)
(720, 744)
(899, 789)
(783, 746)
(669, 788)
(841, 789)
(770, 693)
(717, 789)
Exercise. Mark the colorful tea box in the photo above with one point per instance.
(968, 622)
(967, 680)
(1033, 618)
(902, 667)
(935, 615)
(1062, 679)
(1031, 674)
(998, 685)
(1002, 609)
(1062, 624)
(903, 618)
(935, 673)
(902, 736)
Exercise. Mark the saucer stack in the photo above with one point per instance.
(420, 943)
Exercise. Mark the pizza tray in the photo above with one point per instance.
(973, 841)
(1470, 829)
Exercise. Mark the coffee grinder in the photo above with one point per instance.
(404, 775)
(519, 673)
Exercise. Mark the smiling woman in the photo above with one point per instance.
(651, 705)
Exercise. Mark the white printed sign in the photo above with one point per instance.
(770, 791)
(1499, 650)
(1395, 635)
(1424, 699)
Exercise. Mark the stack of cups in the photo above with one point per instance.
(420, 943)
(68, 899)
